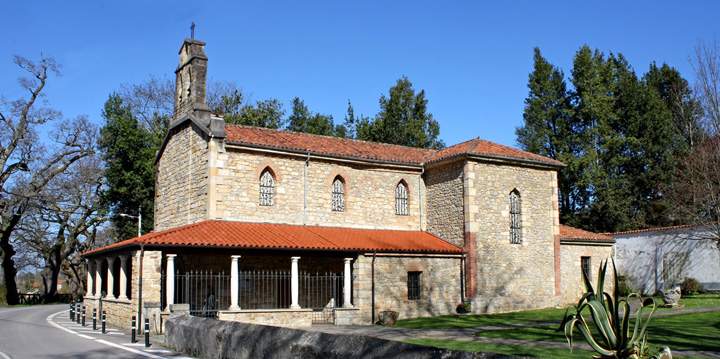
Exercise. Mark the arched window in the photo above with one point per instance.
(338, 194)
(267, 188)
(401, 199)
(515, 217)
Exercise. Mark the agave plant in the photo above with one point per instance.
(612, 337)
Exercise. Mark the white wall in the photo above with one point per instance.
(642, 257)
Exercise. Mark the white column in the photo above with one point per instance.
(90, 276)
(234, 281)
(110, 278)
(347, 286)
(123, 277)
(170, 280)
(97, 283)
(294, 283)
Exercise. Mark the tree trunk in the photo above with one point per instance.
(9, 271)
(54, 263)
(8, 264)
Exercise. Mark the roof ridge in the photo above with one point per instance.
(654, 229)
(284, 131)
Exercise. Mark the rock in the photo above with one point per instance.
(665, 354)
(388, 318)
(672, 296)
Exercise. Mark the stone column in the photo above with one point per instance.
(98, 278)
(90, 275)
(294, 283)
(347, 285)
(110, 278)
(123, 278)
(170, 280)
(234, 281)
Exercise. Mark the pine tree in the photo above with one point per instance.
(303, 120)
(403, 119)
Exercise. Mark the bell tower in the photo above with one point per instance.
(191, 80)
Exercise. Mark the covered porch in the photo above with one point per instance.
(306, 287)
(277, 274)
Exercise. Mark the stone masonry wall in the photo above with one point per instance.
(445, 216)
(440, 280)
(571, 273)
(511, 276)
(181, 180)
(369, 192)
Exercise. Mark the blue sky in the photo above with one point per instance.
(472, 58)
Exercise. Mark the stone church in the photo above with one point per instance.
(285, 228)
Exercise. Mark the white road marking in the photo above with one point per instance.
(140, 352)
(4, 356)
(158, 351)
(49, 319)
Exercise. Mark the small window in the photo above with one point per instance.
(401, 199)
(586, 267)
(267, 188)
(338, 195)
(515, 217)
(414, 285)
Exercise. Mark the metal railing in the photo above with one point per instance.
(206, 292)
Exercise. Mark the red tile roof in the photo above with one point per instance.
(373, 151)
(493, 150)
(572, 233)
(232, 234)
(325, 145)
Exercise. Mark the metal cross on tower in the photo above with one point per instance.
(192, 30)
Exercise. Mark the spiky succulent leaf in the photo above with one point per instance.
(603, 324)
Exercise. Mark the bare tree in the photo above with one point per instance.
(63, 222)
(695, 191)
(28, 163)
(706, 64)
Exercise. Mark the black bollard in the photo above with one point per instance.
(72, 312)
(147, 333)
(94, 318)
(77, 312)
(103, 322)
(133, 333)
(83, 316)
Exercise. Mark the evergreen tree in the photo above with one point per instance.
(234, 109)
(677, 95)
(303, 120)
(403, 119)
(620, 136)
(547, 129)
(128, 150)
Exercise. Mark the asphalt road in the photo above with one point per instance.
(27, 332)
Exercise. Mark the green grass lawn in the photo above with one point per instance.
(519, 350)
(472, 321)
(693, 331)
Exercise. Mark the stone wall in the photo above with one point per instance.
(445, 217)
(571, 273)
(369, 192)
(440, 293)
(207, 338)
(181, 179)
(511, 276)
(279, 317)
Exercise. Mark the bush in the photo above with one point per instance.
(463, 308)
(624, 288)
(691, 286)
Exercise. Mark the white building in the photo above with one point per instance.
(658, 258)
